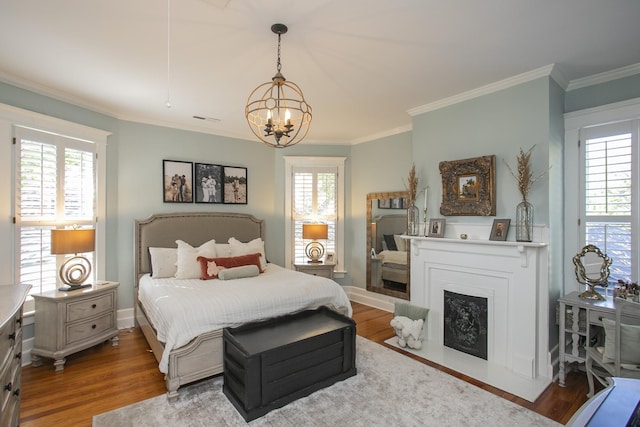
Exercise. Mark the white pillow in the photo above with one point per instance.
(187, 263)
(401, 243)
(256, 246)
(629, 343)
(223, 250)
(163, 262)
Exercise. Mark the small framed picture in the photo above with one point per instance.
(235, 185)
(208, 179)
(500, 229)
(177, 181)
(436, 227)
(329, 257)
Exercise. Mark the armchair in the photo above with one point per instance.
(620, 354)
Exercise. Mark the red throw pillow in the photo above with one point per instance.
(228, 262)
(239, 261)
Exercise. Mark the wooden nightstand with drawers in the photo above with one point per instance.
(68, 322)
(316, 269)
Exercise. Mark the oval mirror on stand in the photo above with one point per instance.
(592, 269)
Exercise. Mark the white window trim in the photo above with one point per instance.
(12, 116)
(295, 161)
(573, 159)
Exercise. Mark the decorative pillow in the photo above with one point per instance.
(239, 261)
(187, 263)
(223, 250)
(401, 243)
(629, 343)
(252, 247)
(163, 262)
(391, 242)
(238, 272)
(208, 268)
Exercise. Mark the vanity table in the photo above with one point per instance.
(581, 325)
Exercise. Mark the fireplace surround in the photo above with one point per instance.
(513, 279)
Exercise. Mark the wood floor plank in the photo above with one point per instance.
(104, 378)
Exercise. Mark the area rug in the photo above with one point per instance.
(389, 390)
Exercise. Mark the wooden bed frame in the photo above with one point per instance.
(202, 357)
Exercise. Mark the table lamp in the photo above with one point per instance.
(314, 250)
(76, 269)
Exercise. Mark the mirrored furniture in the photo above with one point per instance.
(592, 269)
(388, 255)
(619, 354)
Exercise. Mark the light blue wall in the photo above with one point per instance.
(602, 94)
(381, 165)
(499, 123)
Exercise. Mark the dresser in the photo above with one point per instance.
(11, 300)
(316, 269)
(580, 323)
(68, 322)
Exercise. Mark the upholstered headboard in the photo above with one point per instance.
(162, 230)
(389, 224)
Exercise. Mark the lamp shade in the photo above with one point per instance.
(72, 241)
(315, 231)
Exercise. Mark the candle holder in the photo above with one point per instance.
(425, 221)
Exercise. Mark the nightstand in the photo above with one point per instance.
(67, 322)
(316, 269)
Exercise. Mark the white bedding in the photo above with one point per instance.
(395, 257)
(180, 310)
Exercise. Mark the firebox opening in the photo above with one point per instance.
(465, 323)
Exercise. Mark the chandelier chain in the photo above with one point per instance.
(279, 65)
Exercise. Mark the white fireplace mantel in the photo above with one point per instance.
(513, 276)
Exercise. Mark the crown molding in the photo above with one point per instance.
(384, 134)
(484, 90)
(607, 76)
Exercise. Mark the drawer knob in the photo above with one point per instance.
(19, 355)
(7, 387)
(93, 326)
(93, 306)
(17, 393)
(19, 320)
(12, 336)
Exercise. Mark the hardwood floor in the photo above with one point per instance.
(104, 378)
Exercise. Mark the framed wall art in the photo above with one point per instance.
(208, 183)
(395, 203)
(235, 185)
(500, 229)
(469, 186)
(436, 227)
(177, 181)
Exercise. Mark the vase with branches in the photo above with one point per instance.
(525, 178)
(413, 215)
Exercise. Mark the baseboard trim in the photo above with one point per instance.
(372, 299)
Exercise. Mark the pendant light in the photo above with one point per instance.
(276, 111)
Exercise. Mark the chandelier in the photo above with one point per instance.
(276, 111)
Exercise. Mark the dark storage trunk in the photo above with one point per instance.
(269, 364)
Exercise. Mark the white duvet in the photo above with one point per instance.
(180, 310)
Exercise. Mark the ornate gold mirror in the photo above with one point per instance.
(388, 258)
(592, 269)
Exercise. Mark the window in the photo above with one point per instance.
(608, 195)
(602, 189)
(55, 187)
(315, 194)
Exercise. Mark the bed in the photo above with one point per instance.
(190, 349)
(391, 250)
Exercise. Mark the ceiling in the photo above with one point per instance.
(362, 64)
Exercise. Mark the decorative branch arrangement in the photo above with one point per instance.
(524, 176)
(412, 186)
